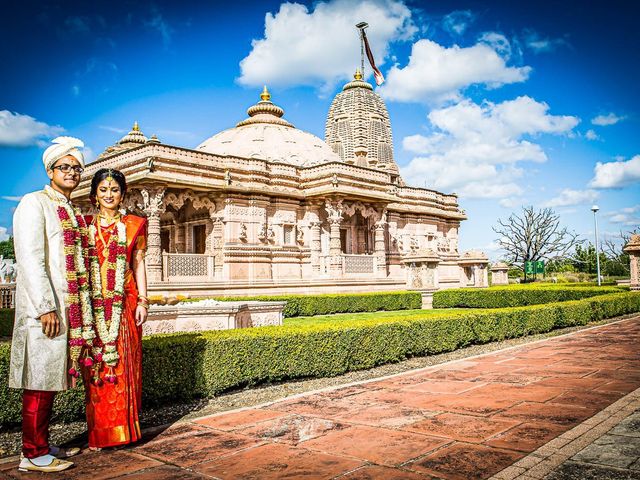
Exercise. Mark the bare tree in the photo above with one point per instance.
(617, 259)
(535, 235)
(612, 246)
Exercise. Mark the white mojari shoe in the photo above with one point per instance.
(44, 463)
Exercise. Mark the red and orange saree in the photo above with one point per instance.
(113, 408)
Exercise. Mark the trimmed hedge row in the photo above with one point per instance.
(508, 296)
(327, 304)
(6, 321)
(182, 367)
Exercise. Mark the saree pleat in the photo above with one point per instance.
(113, 408)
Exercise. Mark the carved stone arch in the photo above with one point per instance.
(365, 210)
(203, 201)
(133, 200)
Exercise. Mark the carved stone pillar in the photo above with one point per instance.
(380, 253)
(633, 249)
(153, 207)
(316, 247)
(217, 241)
(334, 214)
(379, 245)
(335, 248)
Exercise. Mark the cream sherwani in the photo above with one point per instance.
(39, 362)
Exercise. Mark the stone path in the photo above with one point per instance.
(468, 419)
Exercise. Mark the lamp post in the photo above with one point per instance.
(595, 209)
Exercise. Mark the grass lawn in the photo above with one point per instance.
(377, 316)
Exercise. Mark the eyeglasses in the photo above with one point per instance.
(64, 168)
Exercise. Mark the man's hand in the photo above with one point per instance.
(50, 324)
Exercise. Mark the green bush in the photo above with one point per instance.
(514, 296)
(182, 367)
(326, 304)
(6, 321)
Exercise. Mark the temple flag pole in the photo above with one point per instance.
(361, 26)
(377, 74)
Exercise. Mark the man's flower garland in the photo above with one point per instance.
(78, 299)
(107, 303)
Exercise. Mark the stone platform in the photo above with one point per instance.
(467, 419)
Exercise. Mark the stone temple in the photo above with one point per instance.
(267, 208)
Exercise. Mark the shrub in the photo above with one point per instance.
(514, 296)
(326, 304)
(182, 367)
(6, 321)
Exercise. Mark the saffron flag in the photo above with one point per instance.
(377, 74)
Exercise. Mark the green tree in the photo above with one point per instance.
(584, 259)
(6, 249)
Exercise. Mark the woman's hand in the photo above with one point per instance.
(141, 315)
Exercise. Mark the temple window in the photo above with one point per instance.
(288, 237)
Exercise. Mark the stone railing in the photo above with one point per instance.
(7, 295)
(187, 267)
(352, 264)
(357, 264)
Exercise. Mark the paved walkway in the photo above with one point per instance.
(466, 419)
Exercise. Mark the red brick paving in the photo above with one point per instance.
(467, 419)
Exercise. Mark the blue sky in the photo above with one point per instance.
(505, 103)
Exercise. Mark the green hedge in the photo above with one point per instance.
(326, 304)
(182, 367)
(6, 321)
(509, 296)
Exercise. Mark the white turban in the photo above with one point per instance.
(63, 146)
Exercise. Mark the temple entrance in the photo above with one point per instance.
(165, 240)
(199, 238)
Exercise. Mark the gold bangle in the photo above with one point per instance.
(144, 305)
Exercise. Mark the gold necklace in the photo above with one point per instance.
(113, 220)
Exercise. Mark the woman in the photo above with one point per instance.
(113, 380)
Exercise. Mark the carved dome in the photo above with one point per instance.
(358, 127)
(265, 135)
(133, 139)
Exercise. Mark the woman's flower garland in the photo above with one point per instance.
(107, 303)
(78, 299)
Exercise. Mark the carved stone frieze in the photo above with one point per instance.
(334, 211)
(152, 201)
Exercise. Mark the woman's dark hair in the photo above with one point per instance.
(104, 173)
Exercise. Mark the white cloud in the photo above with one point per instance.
(4, 234)
(511, 202)
(498, 42)
(539, 44)
(569, 197)
(322, 46)
(17, 130)
(616, 174)
(438, 74)
(608, 119)
(109, 128)
(11, 198)
(457, 22)
(475, 149)
(629, 216)
(591, 135)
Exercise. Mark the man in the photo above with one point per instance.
(39, 350)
